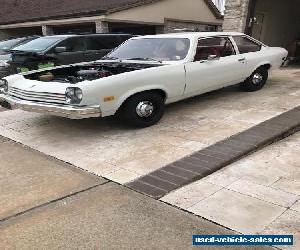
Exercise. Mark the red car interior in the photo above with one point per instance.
(220, 51)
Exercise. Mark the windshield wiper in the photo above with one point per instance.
(144, 59)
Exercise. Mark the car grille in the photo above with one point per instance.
(36, 96)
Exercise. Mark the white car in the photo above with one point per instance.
(144, 74)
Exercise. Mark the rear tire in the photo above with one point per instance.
(143, 110)
(256, 81)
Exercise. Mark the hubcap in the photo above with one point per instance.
(144, 109)
(257, 78)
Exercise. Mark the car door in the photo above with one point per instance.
(216, 65)
(75, 49)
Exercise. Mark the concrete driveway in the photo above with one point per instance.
(109, 149)
(47, 204)
(65, 207)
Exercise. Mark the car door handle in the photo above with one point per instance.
(242, 59)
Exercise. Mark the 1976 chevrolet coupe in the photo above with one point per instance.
(140, 77)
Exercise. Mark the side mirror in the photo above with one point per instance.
(60, 50)
(213, 58)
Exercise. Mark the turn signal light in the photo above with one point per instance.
(109, 98)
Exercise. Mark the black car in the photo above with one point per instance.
(57, 50)
(5, 54)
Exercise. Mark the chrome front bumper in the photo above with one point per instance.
(68, 111)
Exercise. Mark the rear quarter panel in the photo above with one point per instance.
(268, 55)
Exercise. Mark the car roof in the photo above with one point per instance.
(15, 38)
(191, 35)
(96, 34)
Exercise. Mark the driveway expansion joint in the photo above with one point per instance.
(219, 155)
(52, 201)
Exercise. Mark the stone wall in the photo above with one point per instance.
(47, 30)
(101, 27)
(235, 18)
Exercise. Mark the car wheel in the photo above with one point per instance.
(5, 104)
(143, 110)
(257, 80)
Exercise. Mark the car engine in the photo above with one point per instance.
(75, 73)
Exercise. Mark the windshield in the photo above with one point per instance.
(39, 44)
(158, 49)
(7, 45)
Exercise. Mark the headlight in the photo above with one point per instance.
(3, 63)
(73, 95)
(3, 86)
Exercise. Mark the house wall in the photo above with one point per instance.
(171, 26)
(156, 13)
(3, 35)
(282, 18)
(19, 32)
(281, 25)
(164, 16)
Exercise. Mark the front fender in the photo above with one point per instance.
(132, 92)
(169, 78)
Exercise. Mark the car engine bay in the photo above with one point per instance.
(78, 73)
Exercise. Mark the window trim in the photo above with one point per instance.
(252, 40)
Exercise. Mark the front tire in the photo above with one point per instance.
(256, 81)
(143, 110)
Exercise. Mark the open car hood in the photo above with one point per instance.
(76, 73)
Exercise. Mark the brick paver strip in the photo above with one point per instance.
(217, 156)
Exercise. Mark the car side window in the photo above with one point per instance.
(245, 45)
(102, 42)
(73, 44)
(218, 46)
